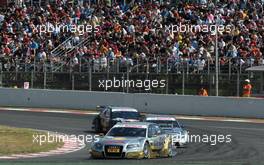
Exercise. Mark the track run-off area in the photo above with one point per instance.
(246, 147)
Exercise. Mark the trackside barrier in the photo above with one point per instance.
(150, 103)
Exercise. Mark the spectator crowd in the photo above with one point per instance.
(134, 33)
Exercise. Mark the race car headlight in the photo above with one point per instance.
(133, 146)
(98, 146)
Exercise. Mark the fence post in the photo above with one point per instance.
(45, 76)
(251, 65)
(80, 65)
(123, 79)
(160, 66)
(117, 65)
(261, 81)
(137, 65)
(240, 67)
(147, 65)
(167, 65)
(32, 79)
(70, 68)
(16, 69)
(100, 64)
(188, 69)
(208, 67)
(229, 69)
(183, 81)
(127, 84)
(210, 85)
(238, 82)
(90, 77)
(1, 75)
(167, 75)
(219, 67)
(157, 65)
(167, 83)
(107, 63)
(34, 63)
(73, 81)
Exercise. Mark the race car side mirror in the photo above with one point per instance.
(142, 117)
(101, 134)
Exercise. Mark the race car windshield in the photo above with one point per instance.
(125, 115)
(127, 132)
(165, 124)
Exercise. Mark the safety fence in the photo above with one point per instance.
(135, 65)
(128, 82)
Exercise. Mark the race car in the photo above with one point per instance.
(172, 127)
(136, 140)
(109, 116)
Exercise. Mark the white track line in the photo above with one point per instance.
(236, 120)
(50, 111)
(80, 112)
(190, 118)
(204, 118)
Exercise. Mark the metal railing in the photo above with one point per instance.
(180, 78)
(137, 65)
(175, 83)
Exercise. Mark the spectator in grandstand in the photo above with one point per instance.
(138, 32)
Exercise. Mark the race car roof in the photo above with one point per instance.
(123, 109)
(133, 125)
(161, 118)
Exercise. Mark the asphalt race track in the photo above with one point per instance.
(246, 147)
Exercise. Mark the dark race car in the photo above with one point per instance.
(109, 116)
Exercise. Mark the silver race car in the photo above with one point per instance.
(133, 140)
(171, 126)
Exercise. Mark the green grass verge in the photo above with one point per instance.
(21, 141)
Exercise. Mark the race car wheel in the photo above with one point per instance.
(171, 150)
(146, 151)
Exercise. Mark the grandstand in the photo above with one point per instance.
(131, 37)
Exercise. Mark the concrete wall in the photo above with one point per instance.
(151, 103)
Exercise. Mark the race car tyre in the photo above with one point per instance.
(146, 151)
(171, 150)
